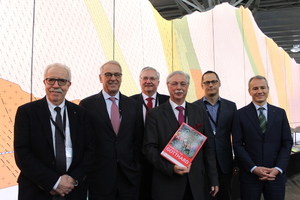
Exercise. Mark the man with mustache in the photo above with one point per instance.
(116, 172)
(148, 99)
(262, 144)
(171, 181)
(53, 142)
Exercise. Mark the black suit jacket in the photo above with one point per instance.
(34, 153)
(221, 141)
(161, 124)
(253, 148)
(112, 151)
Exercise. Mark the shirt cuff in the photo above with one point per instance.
(252, 169)
(56, 184)
(280, 170)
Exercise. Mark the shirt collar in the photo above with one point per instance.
(146, 96)
(174, 105)
(52, 106)
(265, 106)
(106, 96)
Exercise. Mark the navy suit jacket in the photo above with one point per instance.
(253, 148)
(161, 124)
(34, 153)
(113, 151)
(221, 141)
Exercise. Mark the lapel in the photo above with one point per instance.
(44, 117)
(72, 121)
(270, 118)
(201, 103)
(251, 113)
(101, 107)
(169, 115)
(190, 115)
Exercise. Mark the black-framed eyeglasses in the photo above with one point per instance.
(182, 84)
(109, 74)
(60, 81)
(146, 78)
(214, 82)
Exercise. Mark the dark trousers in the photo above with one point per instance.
(224, 186)
(271, 190)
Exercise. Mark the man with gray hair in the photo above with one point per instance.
(262, 144)
(171, 181)
(148, 99)
(53, 142)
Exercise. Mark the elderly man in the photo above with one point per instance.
(148, 99)
(171, 181)
(116, 172)
(53, 142)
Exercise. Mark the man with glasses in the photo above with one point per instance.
(53, 142)
(220, 113)
(171, 181)
(148, 99)
(116, 172)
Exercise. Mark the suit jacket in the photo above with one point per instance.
(34, 153)
(161, 125)
(221, 141)
(139, 98)
(113, 151)
(253, 148)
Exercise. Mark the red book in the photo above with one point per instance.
(184, 145)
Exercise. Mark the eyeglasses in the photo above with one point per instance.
(109, 75)
(145, 78)
(182, 84)
(214, 82)
(60, 81)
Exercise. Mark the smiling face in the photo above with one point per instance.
(56, 93)
(149, 82)
(178, 87)
(111, 78)
(259, 91)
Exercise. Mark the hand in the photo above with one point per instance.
(53, 192)
(214, 190)
(264, 173)
(65, 186)
(182, 170)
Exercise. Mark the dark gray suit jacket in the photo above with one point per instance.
(221, 141)
(253, 148)
(161, 124)
(113, 151)
(34, 153)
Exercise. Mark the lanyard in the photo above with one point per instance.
(210, 117)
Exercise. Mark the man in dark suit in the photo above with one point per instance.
(220, 113)
(262, 144)
(171, 181)
(148, 99)
(48, 172)
(116, 172)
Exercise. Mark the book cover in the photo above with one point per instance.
(184, 145)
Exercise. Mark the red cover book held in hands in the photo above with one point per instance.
(184, 145)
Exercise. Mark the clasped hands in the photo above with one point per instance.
(65, 186)
(266, 174)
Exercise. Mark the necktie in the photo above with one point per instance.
(262, 120)
(180, 114)
(60, 143)
(149, 104)
(114, 115)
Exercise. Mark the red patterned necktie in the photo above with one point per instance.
(149, 104)
(114, 115)
(180, 114)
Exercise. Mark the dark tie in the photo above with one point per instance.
(262, 120)
(114, 115)
(180, 114)
(60, 143)
(149, 104)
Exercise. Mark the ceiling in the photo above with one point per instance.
(278, 19)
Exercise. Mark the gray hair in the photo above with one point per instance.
(187, 77)
(110, 62)
(150, 68)
(257, 77)
(63, 66)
